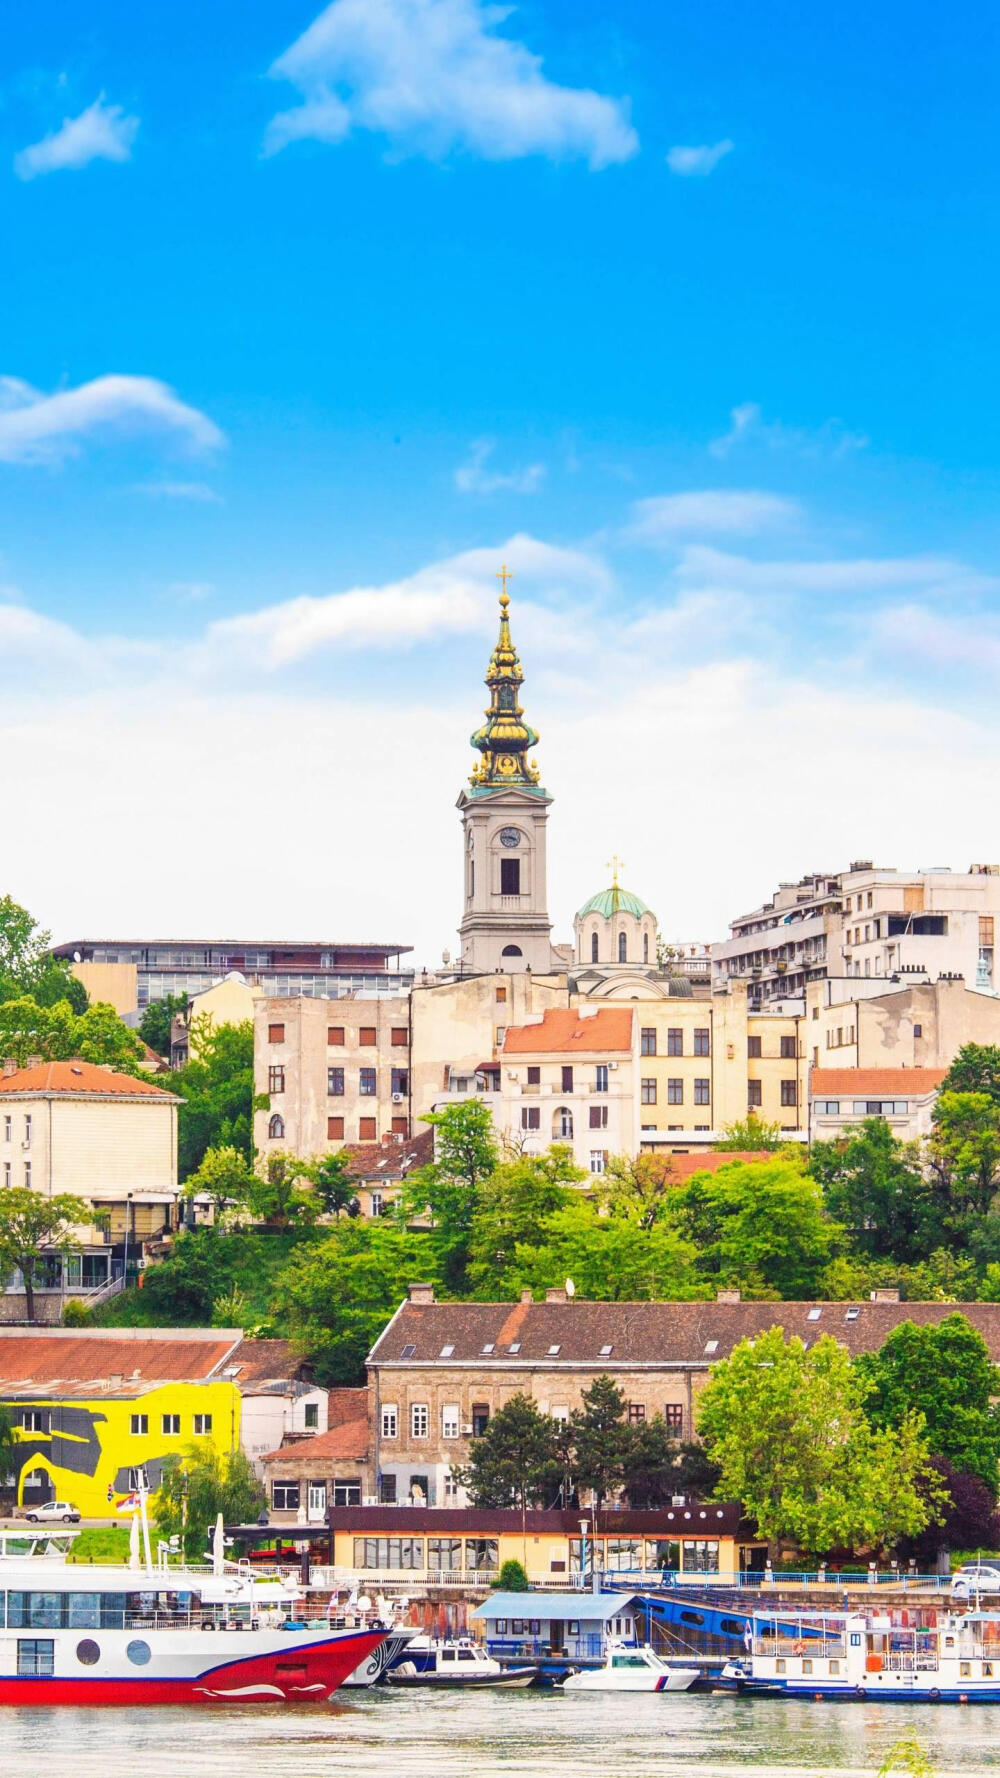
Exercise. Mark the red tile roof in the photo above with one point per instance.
(681, 1166)
(389, 1160)
(351, 1439)
(562, 1031)
(64, 1363)
(81, 1078)
(893, 1082)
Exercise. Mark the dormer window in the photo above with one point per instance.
(447, 1351)
(711, 1345)
(554, 1351)
(488, 1349)
(606, 1351)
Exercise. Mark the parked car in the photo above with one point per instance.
(54, 1509)
(975, 1577)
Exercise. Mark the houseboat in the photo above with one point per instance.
(75, 1634)
(932, 1657)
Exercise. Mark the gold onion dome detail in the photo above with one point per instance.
(505, 738)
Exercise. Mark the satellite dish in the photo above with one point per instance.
(570, 1288)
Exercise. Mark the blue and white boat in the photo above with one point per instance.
(954, 1659)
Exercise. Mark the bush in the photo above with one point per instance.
(75, 1313)
(513, 1577)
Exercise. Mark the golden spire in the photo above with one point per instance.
(614, 864)
(505, 737)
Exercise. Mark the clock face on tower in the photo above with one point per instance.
(510, 836)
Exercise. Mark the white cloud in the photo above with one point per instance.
(697, 162)
(474, 477)
(747, 424)
(433, 76)
(708, 567)
(200, 492)
(102, 132)
(39, 428)
(709, 510)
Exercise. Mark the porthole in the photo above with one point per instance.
(138, 1653)
(87, 1652)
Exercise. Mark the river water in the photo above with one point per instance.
(513, 1734)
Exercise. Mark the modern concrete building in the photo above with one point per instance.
(130, 973)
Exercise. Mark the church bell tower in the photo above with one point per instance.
(505, 923)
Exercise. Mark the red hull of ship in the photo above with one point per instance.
(305, 1673)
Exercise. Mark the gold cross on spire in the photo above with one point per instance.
(503, 577)
(614, 864)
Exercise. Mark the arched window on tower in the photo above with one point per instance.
(622, 948)
(276, 1127)
(593, 947)
(511, 951)
(645, 947)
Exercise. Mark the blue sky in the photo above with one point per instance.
(310, 317)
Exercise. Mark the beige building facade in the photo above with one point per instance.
(910, 1023)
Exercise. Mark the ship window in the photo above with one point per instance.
(88, 1652)
(35, 1657)
(139, 1653)
(807, 1666)
(834, 1667)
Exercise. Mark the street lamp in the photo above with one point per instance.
(128, 1204)
(584, 1528)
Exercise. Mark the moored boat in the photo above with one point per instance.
(953, 1659)
(628, 1668)
(455, 1661)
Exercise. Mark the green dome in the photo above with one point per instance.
(615, 900)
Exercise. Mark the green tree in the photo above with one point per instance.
(57, 982)
(448, 1189)
(609, 1259)
(964, 1151)
(182, 1289)
(600, 1439)
(760, 1225)
(876, 1186)
(513, 1577)
(57, 1034)
(23, 949)
(198, 1484)
(944, 1372)
(650, 1476)
(226, 1177)
(513, 1209)
(975, 1069)
(216, 1087)
(752, 1135)
(335, 1296)
(787, 1427)
(637, 1188)
(333, 1185)
(157, 1020)
(32, 1227)
(282, 1192)
(515, 1461)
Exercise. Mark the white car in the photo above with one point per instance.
(975, 1577)
(54, 1509)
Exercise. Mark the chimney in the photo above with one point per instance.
(727, 1296)
(887, 1294)
(558, 1295)
(527, 1296)
(421, 1293)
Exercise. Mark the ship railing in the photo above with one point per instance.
(916, 1663)
(811, 1646)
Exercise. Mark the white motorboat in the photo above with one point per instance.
(455, 1661)
(630, 1669)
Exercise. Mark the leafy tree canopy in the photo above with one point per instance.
(964, 1151)
(26, 969)
(787, 1427)
(610, 1259)
(334, 1297)
(975, 1069)
(216, 1086)
(752, 1135)
(760, 1225)
(333, 1185)
(281, 1192)
(199, 1484)
(156, 1021)
(513, 1208)
(225, 1176)
(30, 1227)
(516, 1460)
(447, 1191)
(637, 1189)
(877, 1187)
(58, 1034)
(945, 1373)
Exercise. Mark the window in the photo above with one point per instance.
(564, 1122)
(366, 1129)
(701, 1041)
(789, 1092)
(593, 947)
(702, 1092)
(499, 1035)
(675, 1041)
(399, 1037)
(27, 1175)
(511, 951)
(400, 1126)
(648, 1091)
(376, 1203)
(480, 1418)
(35, 1420)
(647, 1040)
(7, 1123)
(675, 1091)
(567, 1079)
(201, 1425)
(311, 1416)
(754, 1096)
(276, 1127)
(673, 1414)
(788, 1049)
(622, 948)
(276, 1080)
(138, 1425)
(367, 1082)
(636, 1412)
(27, 1127)
(275, 1033)
(449, 1420)
(367, 1036)
(918, 1030)
(36, 1657)
(598, 1160)
(335, 1036)
(388, 1552)
(390, 1421)
(645, 947)
(419, 1419)
(6, 1173)
(531, 1117)
(827, 1107)
(445, 1552)
(170, 1425)
(753, 1048)
(510, 876)
(502, 992)
(335, 1129)
(534, 1076)
(285, 1496)
(601, 1078)
(598, 1117)
(482, 1554)
(335, 1082)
